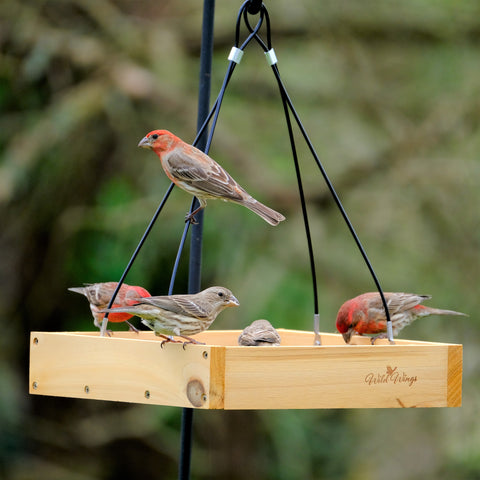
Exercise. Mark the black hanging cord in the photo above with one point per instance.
(303, 203)
(103, 330)
(287, 101)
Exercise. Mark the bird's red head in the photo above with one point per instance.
(345, 324)
(158, 140)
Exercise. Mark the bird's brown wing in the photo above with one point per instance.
(204, 174)
(402, 301)
(179, 304)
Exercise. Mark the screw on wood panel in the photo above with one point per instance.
(87, 389)
(147, 393)
(205, 355)
(196, 393)
(35, 341)
(34, 385)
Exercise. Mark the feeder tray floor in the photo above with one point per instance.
(131, 367)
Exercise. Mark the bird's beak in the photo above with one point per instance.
(233, 302)
(347, 335)
(145, 142)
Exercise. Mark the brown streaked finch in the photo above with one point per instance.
(196, 173)
(259, 333)
(181, 315)
(365, 314)
(100, 294)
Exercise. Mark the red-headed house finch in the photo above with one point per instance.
(259, 333)
(181, 315)
(198, 174)
(365, 314)
(100, 294)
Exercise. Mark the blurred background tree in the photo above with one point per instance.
(389, 93)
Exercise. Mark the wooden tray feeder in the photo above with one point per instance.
(132, 367)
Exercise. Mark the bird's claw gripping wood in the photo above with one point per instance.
(191, 340)
(169, 339)
(166, 339)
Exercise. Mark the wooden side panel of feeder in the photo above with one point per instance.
(401, 377)
(409, 374)
(221, 375)
(133, 369)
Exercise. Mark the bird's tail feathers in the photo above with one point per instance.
(268, 214)
(438, 311)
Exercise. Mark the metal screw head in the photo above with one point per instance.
(205, 355)
(34, 385)
(147, 393)
(87, 389)
(35, 341)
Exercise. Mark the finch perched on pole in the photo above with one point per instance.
(100, 294)
(181, 315)
(198, 174)
(365, 314)
(259, 333)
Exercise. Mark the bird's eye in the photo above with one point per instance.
(155, 136)
(220, 294)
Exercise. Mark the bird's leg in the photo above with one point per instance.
(131, 328)
(190, 217)
(166, 339)
(190, 340)
(380, 335)
(99, 326)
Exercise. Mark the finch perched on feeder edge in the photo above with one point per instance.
(365, 314)
(259, 333)
(196, 173)
(181, 315)
(100, 294)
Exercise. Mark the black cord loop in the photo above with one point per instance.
(254, 6)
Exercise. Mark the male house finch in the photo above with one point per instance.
(198, 174)
(365, 313)
(259, 333)
(181, 315)
(100, 294)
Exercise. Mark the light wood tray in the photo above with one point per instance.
(132, 367)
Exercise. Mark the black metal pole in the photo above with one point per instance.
(195, 262)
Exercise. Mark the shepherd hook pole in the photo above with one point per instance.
(195, 262)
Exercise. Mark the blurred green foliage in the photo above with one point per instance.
(389, 93)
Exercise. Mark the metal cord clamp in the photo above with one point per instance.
(316, 328)
(271, 57)
(235, 55)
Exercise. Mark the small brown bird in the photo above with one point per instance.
(196, 173)
(259, 334)
(181, 315)
(100, 294)
(365, 314)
